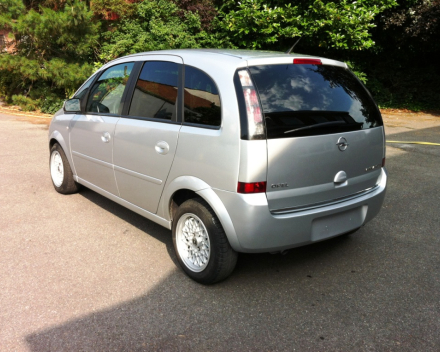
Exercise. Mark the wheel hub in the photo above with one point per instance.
(56, 168)
(192, 242)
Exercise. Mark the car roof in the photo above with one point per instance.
(228, 57)
(242, 54)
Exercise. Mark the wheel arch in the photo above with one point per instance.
(57, 137)
(187, 187)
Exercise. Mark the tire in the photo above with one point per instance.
(208, 258)
(60, 171)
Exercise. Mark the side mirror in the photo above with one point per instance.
(72, 105)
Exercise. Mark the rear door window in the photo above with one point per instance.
(304, 100)
(155, 94)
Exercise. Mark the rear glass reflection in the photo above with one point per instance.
(301, 100)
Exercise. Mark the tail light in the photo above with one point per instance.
(253, 108)
(254, 187)
(383, 162)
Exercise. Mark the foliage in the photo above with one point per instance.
(158, 25)
(361, 75)
(121, 8)
(10, 10)
(403, 70)
(342, 25)
(52, 50)
(205, 9)
(421, 20)
(51, 104)
(59, 43)
(68, 34)
(25, 103)
(404, 85)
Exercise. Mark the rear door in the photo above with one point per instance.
(91, 134)
(146, 137)
(324, 134)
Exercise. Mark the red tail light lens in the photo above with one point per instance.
(383, 162)
(252, 105)
(253, 109)
(254, 187)
(307, 61)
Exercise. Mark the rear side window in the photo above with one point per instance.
(106, 93)
(155, 94)
(303, 100)
(201, 97)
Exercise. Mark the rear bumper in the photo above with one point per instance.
(258, 230)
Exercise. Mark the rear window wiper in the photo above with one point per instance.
(318, 125)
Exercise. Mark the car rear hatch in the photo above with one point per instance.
(325, 140)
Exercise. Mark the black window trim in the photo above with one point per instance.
(83, 102)
(131, 84)
(151, 119)
(200, 125)
(92, 79)
(244, 127)
(370, 95)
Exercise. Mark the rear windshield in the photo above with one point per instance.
(304, 100)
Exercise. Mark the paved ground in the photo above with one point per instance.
(81, 273)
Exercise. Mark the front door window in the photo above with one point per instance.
(106, 94)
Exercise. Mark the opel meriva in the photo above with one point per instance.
(233, 150)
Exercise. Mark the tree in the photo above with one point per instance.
(205, 9)
(402, 68)
(157, 25)
(327, 24)
(420, 21)
(52, 51)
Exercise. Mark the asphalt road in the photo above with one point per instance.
(81, 273)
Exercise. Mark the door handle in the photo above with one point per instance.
(162, 147)
(105, 137)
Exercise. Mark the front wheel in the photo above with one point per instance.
(202, 248)
(60, 171)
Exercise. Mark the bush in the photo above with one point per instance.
(51, 104)
(25, 103)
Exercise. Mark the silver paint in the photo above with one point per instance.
(92, 154)
(309, 165)
(260, 231)
(140, 171)
(134, 167)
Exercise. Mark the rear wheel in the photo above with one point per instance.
(202, 248)
(60, 171)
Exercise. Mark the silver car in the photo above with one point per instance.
(232, 150)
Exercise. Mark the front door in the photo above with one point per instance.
(92, 133)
